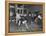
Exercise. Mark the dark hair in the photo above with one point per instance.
(35, 17)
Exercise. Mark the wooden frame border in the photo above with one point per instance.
(7, 16)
